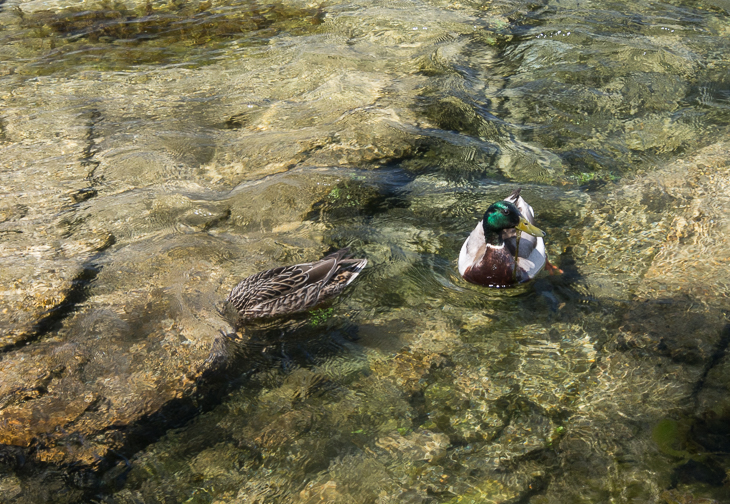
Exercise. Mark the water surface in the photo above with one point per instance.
(154, 154)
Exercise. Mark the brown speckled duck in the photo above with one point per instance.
(496, 255)
(296, 288)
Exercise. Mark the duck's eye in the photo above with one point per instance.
(505, 211)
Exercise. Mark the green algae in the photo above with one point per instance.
(320, 316)
(666, 435)
(669, 434)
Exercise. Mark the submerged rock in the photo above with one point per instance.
(661, 366)
(114, 362)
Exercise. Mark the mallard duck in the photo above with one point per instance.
(488, 254)
(296, 288)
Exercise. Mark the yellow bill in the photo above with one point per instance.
(528, 228)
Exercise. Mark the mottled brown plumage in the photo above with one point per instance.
(296, 288)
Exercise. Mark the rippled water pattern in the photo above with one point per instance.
(156, 153)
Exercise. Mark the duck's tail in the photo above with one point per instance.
(347, 272)
(347, 268)
(353, 267)
(514, 196)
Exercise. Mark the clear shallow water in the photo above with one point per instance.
(154, 155)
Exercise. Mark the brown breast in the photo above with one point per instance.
(494, 270)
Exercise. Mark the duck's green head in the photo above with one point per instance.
(505, 215)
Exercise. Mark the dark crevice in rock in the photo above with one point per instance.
(87, 158)
(718, 354)
(712, 433)
(75, 295)
(31, 392)
(3, 126)
(217, 221)
(538, 484)
(708, 472)
(84, 194)
(418, 403)
(509, 407)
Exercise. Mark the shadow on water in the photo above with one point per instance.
(238, 362)
(691, 441)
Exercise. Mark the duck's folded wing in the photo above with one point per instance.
(291, 302)
(281, 282)
(473, 249)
